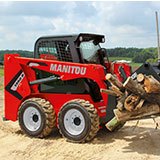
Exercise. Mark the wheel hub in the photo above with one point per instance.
(74, 122)
(32, 118)
(77, 121)
(35, 118)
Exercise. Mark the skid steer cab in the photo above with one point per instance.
(60, 87)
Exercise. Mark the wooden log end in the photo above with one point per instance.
(114, 80)
(131, 102)
(112, 124)
(108, 76)
(140, 78)
(151, 85)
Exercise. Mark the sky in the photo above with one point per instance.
(124, 24)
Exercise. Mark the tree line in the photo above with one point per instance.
(138, 55)
(21, 52)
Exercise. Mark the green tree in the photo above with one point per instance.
(144, 55)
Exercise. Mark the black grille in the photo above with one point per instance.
(60, 49)
(64, 52)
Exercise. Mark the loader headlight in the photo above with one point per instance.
(103, 40)
(80, 38)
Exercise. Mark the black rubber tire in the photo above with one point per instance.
(47, 114)
(90, 116)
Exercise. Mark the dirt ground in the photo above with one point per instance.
(129, 143)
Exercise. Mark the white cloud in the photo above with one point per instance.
(125, 24)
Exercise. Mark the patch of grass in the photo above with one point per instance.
(1, 87)
(120, 58)
(1, 72)
(1, 77)
(136, 64)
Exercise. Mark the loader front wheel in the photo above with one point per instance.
(78, 121)
(36, 117)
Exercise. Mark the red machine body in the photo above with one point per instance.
(19, 72)
(60, 87)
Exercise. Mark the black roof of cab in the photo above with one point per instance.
(75, 37)
(74, 40)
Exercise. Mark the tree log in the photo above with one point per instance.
(140, 78)
(120, 104)
(116, 90)
(134, 87)
(151, 85)
(140, 104)
(147, 110)
(138, 89)
(113, 90)
(107, 91)
(131, 102)
(113, 124)
(113, 80)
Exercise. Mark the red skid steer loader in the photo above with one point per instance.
(60, 87)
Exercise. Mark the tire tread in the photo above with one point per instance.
(49, 112)
(92, 112)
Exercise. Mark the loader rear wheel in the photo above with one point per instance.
(78, 121)
(36, 117)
